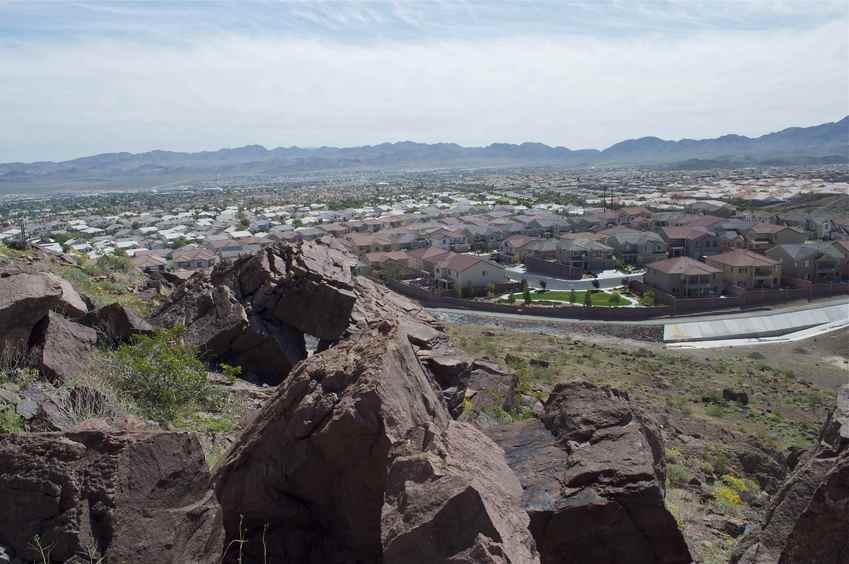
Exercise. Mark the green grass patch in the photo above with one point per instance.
(599, 298)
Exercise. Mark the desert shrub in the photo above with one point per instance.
(677, 474)
(673, 455)
(113, 263)
(726, 499)
(10, 421)
(162, 374)
(231, 373)
(717, 459)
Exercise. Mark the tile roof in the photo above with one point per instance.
(742, 257)
(683, 265)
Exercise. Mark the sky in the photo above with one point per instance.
(81, 77)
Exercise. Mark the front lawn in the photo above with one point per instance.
(599, 298)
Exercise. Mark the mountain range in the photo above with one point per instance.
(821, 144)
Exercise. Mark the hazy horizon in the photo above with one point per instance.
(99, 77)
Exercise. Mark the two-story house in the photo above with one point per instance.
(684, 277)
(586, 255)
(812, 262)
(763, 236)
(637, 247)
(690, 241)
(747, 269)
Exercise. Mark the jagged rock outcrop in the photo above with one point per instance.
(116, 323)
(60, 348)
(255, 312)
(25, 300)
(593, 474)
(135, 497)
(356, 459)
(808, 518)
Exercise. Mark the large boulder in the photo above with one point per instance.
(61, 348)
(808, 519)
(217, 323)
(117, 323)
(134, 497)
(26, 298)
(357, 460)
(593, 474)
(256, 311)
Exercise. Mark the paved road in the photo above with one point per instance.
(465, 317)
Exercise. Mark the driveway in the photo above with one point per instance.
(607, 279)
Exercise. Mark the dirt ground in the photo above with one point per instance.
(822, 361)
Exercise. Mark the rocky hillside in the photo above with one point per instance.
(362, 433)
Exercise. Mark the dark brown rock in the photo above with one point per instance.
(357, 460)
(592, 470)
(25, 300)
(117, 323)
(136, 497)
(61, 349)
(808, 518)
(731, 395)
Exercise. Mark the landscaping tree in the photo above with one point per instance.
(596, 283)
(615, 298)
(572, 296)
(543, 284)
(588, 299)
(490, 289)
(511, 298)
(526, 295)
(648, 297)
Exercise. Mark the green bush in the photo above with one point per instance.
(113, 263)
(10, 421)
(162, 375)
(677, 474)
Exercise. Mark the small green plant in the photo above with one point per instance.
(162, 374)
(677, 474)
(231, 373)
(726, 499)
(648, 297)
(572, 297)
(10, 421)
(588, 299)
(511, 298)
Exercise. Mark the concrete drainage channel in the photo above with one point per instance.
(765, 329)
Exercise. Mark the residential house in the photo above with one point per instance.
(690, 241)
(450, 239)
(586, 255)
(683, 277)
(711, 207)
(468, 272)
(747, 269)
(637, 247)
(147, 262)
(192, 257)
(426, 258)
(763, 236)
(812, 262)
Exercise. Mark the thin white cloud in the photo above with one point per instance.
(111, 95)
